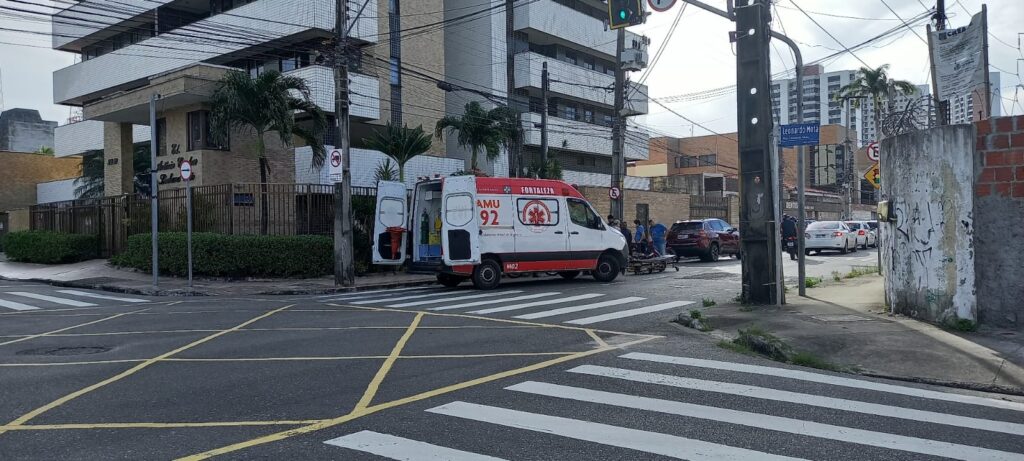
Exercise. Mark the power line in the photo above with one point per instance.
(829, 34)
(904, 22)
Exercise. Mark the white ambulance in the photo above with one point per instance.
(466, 227)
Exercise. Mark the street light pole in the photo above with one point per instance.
(154, 183)
(544, 86)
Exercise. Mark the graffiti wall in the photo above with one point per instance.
(928, 250)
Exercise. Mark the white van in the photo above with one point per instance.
(465, 227)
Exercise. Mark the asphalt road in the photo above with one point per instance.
(539, 369)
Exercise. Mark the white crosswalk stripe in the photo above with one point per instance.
(800, 398)
(582, 307)
(662, 441)
(457, 298)
(358, 295)
(400, 448)
(17, 306)
(52, 299)
(826, 379)
(644, 441)
(491, 301)
(369, 292)
(403, 297)
(86, 294)
(546, 302)
(629, 313)
(774, 423)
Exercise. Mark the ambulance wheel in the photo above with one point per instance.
(449, 280)
(569, 275)
(487, 275)
(607, 269)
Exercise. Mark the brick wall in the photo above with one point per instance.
(665, 208)
(999, 221)
(21, 172)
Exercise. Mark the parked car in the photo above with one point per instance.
(865, 235)
(829, 235)
(704, 238)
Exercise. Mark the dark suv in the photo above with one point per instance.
(706, 238)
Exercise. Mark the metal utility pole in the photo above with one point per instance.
(344, 261)
(761, 281)
(941, 106)
(154, 183)
(848, 162)
(984, 55)
(514, 154)
(619, 128)
(544, 87)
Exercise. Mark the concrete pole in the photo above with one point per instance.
(544, 86)
(344, 261)
(154, 183)
(619, 128)
(514, 154)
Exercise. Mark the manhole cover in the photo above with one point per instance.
(840, 318)
(710, 276)
(63, 351)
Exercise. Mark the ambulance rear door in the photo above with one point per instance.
(390, 220)
(460, 228)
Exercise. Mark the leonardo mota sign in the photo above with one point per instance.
(959, 63)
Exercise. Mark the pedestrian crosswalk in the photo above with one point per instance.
(33, 300)
(698, 409)
(559, 306)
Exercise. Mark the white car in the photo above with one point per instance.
(865, 234)
(829, 235)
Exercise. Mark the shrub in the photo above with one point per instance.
(220, 255)
(47, 247)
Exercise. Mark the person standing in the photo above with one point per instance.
(640, 237)
(658, 233)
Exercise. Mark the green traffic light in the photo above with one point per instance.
(623, 14)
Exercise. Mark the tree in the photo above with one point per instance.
(263, 105)
(385, 171)
(90, 184)
(478, 129)
(401, 143)
(45, 150)
(876, 85)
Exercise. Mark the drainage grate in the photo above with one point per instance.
(65, 351)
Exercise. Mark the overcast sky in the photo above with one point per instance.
(698, 57)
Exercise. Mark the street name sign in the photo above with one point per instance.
(799, 134)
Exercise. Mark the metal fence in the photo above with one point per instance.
(707, 207)
(271, 209)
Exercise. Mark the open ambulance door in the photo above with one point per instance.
(460, 228)
(390, 232)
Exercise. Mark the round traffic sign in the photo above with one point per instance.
(873, 152)
(186, 171)
(614, 193)
(336, 158)
(661, 5)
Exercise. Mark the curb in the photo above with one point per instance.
(981, 387)
(188, 293)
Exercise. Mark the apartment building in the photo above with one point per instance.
(819, 107)
(131, 49)
(571, 37)
(969, 109)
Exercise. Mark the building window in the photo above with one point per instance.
(395, 71)
(588, 62)
(708, 160)
(161, 137)
(199, 136)
(570, 113)
(571, 58)
(588, 116)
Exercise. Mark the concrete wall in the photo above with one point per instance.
(23, 130)
(21, 172)
(928, 252)
(664, 207)
(999, 221)
(364, 165)
(55, 191)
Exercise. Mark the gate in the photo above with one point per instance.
(707, 207)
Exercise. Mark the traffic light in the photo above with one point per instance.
(624, 13)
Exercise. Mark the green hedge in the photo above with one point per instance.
(47, 247)
(220, 255)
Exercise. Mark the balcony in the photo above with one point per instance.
(80, 137)
(576, 82)
(128, 67)
(569, 25)
(584, 137)
(364, 90)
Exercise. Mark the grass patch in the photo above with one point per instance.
(964, 325)
(708, 302)
(694, 319)
(764, 343)
(856, 272)
(806, 359)
(811, 282)
(836, 276)
(738, 348)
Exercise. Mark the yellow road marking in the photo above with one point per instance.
(276, 359)
(145, 332)
(26, 338)
(593, 334)
(371, 389)
(56, 403)
(60, 427)
(395, 403)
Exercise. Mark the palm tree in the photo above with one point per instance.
(876, 85)
(478, 129)
(401, 143)
(385, 171)
(265, 104)
(90, 183)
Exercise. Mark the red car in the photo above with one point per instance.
(705, 238)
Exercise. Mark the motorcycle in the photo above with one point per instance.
(791, 247)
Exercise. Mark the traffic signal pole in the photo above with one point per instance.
(619, 129)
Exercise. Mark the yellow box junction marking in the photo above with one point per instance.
(104, 319)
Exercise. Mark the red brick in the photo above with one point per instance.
(1013, 157)
(982, 143)
(1003, 124)
(1000, 141)
(1019, 122)
(1003, 174)
(1018, 189)
(1017, 139)
(984, 127)
(1003, 189)
(982, 190)
(1020, 173)
(987, 175)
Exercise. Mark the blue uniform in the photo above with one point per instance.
(658, 232)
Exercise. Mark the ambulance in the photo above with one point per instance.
(474, 228)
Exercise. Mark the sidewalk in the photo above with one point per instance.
(98, 274)
(845, 323)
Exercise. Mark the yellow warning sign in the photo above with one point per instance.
(874, 176)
